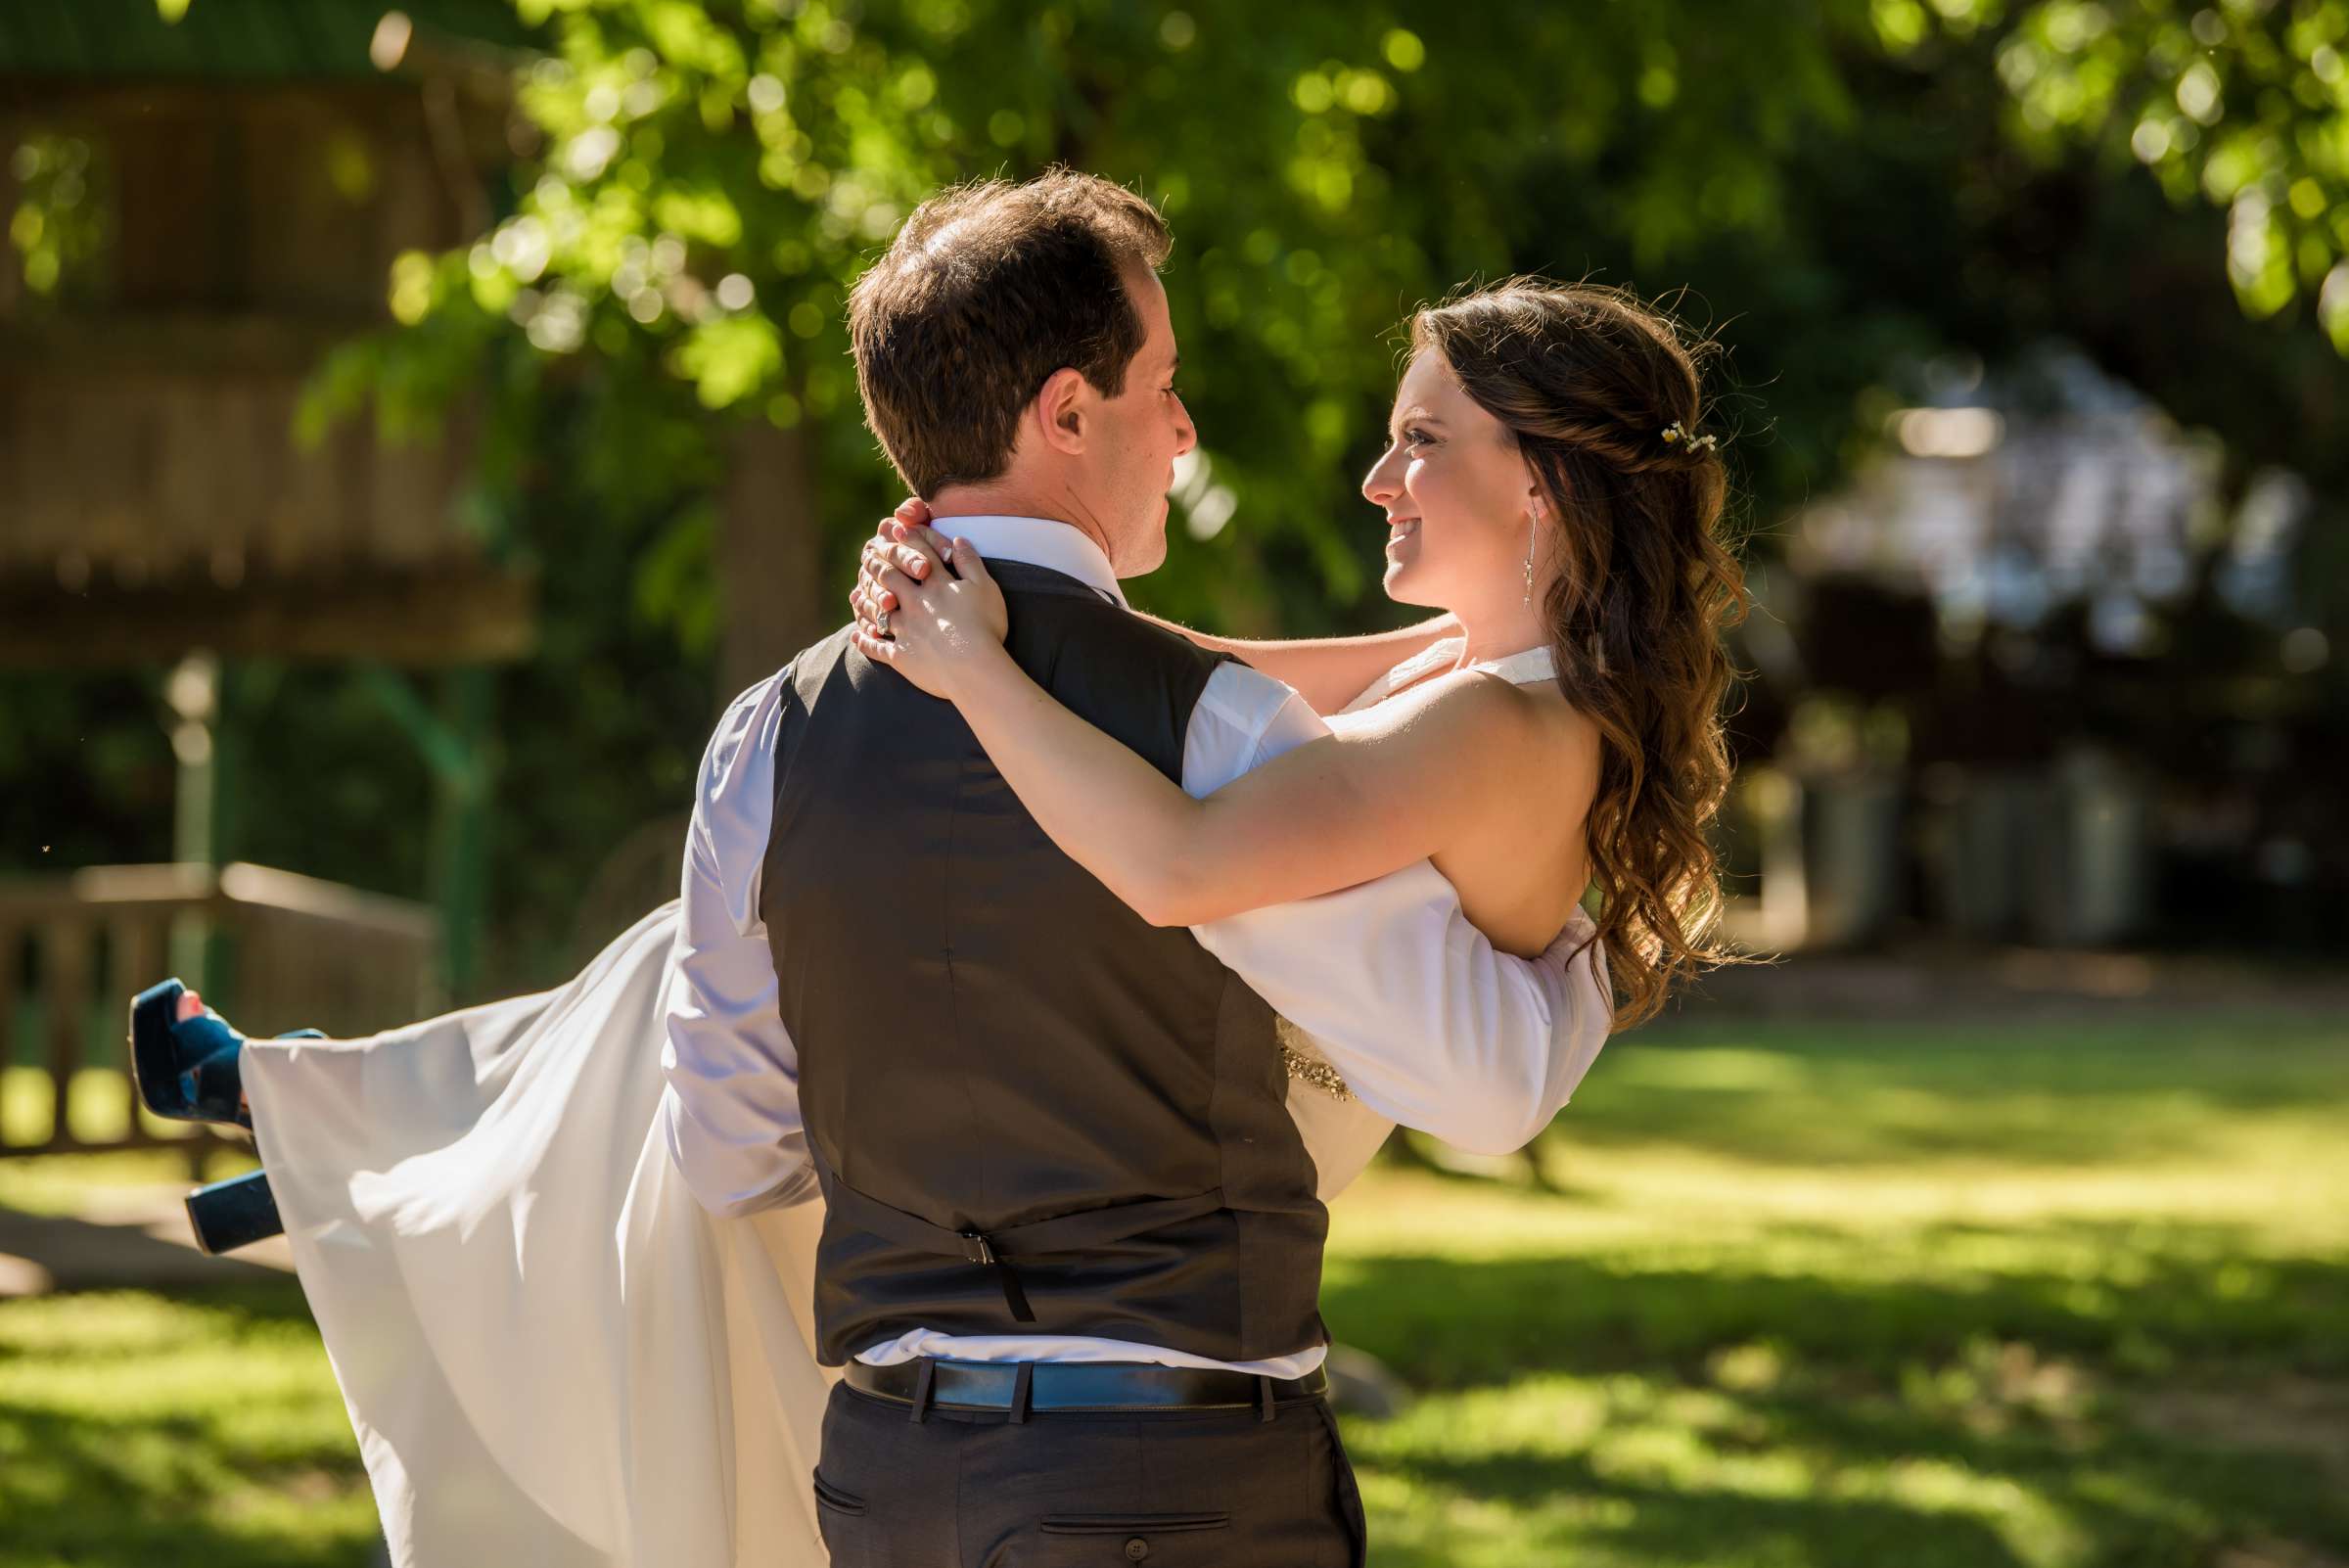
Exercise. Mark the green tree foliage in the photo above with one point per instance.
(2240, 103)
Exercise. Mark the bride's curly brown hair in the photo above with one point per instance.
(1588, 380)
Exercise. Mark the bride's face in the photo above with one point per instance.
(1456, 492)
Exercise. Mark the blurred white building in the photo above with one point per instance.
(1995, 505)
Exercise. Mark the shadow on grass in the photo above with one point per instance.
(77, 1254)
(2142, 1300)
(1806, 1478)
(1855, 1421)
(123, 1481)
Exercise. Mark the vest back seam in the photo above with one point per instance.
(962, 1074)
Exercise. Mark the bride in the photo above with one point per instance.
(553, 1354)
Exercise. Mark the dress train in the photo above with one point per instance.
(550, 1353)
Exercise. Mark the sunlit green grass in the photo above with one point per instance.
(201, 1430)
(1836, 1296)
(1857, 1294)
(139, 1429)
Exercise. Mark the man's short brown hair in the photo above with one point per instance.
(988, 290)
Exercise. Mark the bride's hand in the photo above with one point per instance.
(866, 597)
(913, 512)
(927, 608)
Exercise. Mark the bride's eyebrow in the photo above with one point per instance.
(1414, 415)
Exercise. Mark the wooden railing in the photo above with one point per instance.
(273, 950)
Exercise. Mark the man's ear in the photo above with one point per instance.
(1060, 411)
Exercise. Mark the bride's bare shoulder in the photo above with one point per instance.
(1465, 715)
(1536, 719)
(1475, 713)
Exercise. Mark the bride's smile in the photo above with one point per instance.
(1455, 491)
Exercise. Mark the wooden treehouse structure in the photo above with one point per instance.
(199, 211)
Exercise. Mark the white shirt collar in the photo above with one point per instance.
(1041, 542)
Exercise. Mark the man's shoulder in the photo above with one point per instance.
(1117, 672)
(1233, 714)
(1043, 610)
(756, 709)
(808, 672)
(822, 655)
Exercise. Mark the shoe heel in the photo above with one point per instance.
(154, 1063)
(235, 1213)
(185, 1070)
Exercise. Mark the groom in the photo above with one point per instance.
(1072, 1243)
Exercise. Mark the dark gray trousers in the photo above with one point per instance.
(1170, 1488)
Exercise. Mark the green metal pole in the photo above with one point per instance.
(456, 746)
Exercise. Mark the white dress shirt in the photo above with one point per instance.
(1429, 1023)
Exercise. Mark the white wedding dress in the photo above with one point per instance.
(552, 1356)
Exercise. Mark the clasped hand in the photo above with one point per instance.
(926, 605)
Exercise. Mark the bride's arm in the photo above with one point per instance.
(1326, 816)
(1328, 672)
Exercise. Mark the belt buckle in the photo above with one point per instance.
(975, 1248)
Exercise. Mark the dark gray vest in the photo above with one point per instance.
(1031, 1112)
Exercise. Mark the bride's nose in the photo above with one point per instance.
(1384, 481)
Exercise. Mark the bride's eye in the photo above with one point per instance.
(1414, 436)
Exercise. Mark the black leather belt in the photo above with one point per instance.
(1017, 1388)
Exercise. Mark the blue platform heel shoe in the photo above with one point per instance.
(188, 1070)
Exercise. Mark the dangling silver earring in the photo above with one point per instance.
(1528, 560)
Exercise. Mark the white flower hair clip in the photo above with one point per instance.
(1675, 435)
